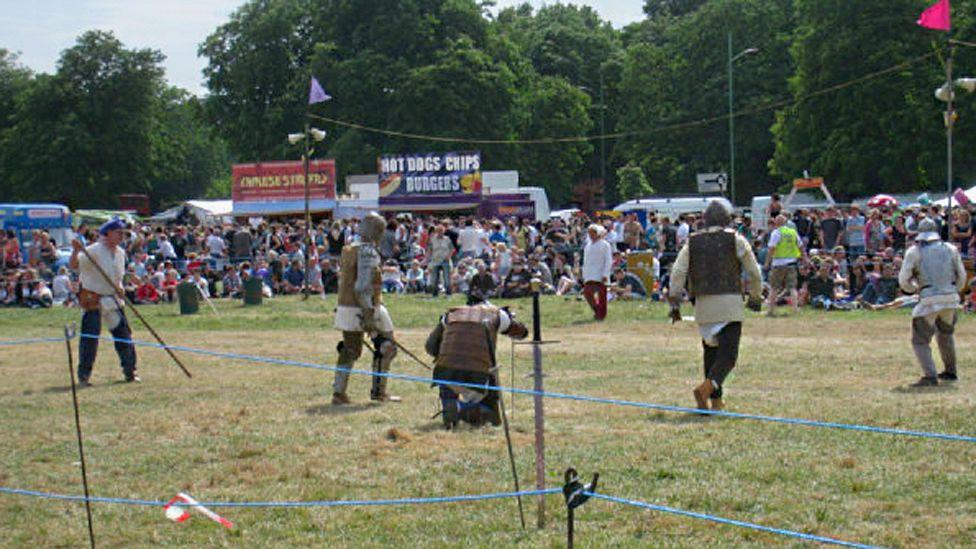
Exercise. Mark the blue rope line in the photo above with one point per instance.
(564, 396)
(739, 523)
(28, 341)
(333, 503)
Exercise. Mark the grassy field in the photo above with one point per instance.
(243, 431)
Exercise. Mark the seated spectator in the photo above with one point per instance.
(626, 285)
(391, 278)
(293, 278)
(568, 282)
(821, 289)
(416, 278)
(231, 282)
(169, 285)
(34, 292)
(61, 288)
(518, 282)
(461, 278)
(482, 286)
(540, 270)
(8, 292)
(882, 288)
(147, 293)
(330, 276)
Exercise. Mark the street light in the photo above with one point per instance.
(733, 59)
(947, 93)
(306, 137)
(603, 130)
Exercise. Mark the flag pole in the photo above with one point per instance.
(950, 115)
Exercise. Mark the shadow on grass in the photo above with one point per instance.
(681, 418)
(940, 388)
(333, 410)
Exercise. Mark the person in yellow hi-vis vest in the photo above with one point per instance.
(784, 253)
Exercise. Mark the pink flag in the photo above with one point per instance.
(316, 94)
(936, 17)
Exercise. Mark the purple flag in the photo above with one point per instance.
(316, 94)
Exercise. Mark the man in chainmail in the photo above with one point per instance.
(933, 269)
(360, 312)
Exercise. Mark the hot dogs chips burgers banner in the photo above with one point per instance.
(433, 177)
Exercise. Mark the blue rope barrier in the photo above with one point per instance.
(732, 522)
(265, 504)
(29, 341)
(563, 396)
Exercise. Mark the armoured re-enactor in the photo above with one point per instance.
(360, 311)
(713, 262)
(463, 346)
(935, 270)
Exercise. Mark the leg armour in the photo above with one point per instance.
(350, 348)
(384, 351)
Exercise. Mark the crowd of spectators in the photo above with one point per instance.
(851, 257)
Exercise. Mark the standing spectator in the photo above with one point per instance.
(831, 229)
(470, 240)
(597, 265)
(962, 230)
(875, 233)
(633, 233)
(242, 244)
(785, 251)
(933, 269)
(855, 232)
(439, 251)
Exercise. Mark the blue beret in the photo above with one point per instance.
(113, 225)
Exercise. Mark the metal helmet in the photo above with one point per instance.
(718, 213)
(371, 228)
(928, 231)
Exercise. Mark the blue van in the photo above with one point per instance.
(23, 219)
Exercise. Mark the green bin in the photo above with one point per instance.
(253, 291)
(189, 298)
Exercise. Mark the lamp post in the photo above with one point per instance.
(306, 138)
(733, 59)
(603, 128)
(947, 93)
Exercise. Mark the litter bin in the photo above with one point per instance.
(253, 291)
(189, 298)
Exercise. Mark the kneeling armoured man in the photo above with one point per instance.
(360, 310)
(463, 347)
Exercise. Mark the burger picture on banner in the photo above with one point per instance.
(450, 174)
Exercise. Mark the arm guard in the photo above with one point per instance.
(433, 344)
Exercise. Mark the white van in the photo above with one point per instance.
(800, 200)
(670, 207)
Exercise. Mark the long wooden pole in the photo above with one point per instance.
(69, 332)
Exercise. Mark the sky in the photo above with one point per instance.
(41, 29)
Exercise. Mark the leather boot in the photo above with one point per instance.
(702, 392)
(339, 399)
(717, 403)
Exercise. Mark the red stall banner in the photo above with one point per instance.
(272, 181)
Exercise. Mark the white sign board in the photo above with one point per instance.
(712, 182)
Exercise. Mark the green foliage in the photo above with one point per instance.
(105, 124)
(679, 74)
(881, 136)
(632, 183)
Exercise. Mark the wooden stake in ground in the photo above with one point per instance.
(136, 312)
(69, 333)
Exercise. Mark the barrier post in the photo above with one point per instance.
(540, 424)
(69, 333)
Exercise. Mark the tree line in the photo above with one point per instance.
(841, 89)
